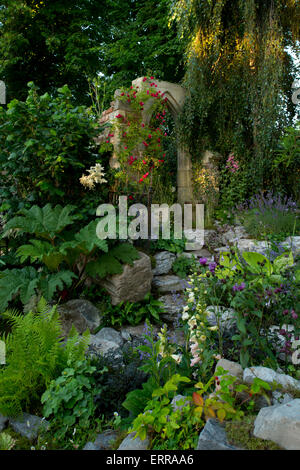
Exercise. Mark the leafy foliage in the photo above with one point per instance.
(133, 313)
(69, 400)
(45, 222)
(182, 266)
(6, 441)
(174, 245)
(28, 282)
(111, 263)
(177, 426)
(240, 77)
(35, 355)
(287, 161)
(76, 42)
(46, 142)
(262, 292)
(269, 215)
(64, 255)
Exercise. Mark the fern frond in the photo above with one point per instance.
(36, 355)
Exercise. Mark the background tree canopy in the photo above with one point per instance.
(53, 43)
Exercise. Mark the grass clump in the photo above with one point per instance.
(240, 434)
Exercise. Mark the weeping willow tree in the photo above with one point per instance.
(239, 77)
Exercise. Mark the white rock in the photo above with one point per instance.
(223, 315)
(168, 283)
(131, 443)
(164, 262)
(234, 368)
(253, 245)
(268, 375)
(172, 305)
(280, 398)
(292, 243)
(109, 334)
(103, 346)
(133, 284)
(280, 424)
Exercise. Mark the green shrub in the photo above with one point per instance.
(45, 143)
(182, 266)
(69, 400)
(174, 245)
(6, 441)
(286, 163)
(35, 355)
(133, 313)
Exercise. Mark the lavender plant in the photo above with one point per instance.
(269, 215)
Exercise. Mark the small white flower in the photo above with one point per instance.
(213, 328)
(185, 316)
(192, 322)
(177, 358)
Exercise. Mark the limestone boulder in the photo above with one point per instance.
(280, 424)
(173, 305)
(28, 425)
(213, 437)
(168, 283)
(234, 368)
(133, 284)
(80, 313)
(134, 443)
(286, 382)
(164, 261)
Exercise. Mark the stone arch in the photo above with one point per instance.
(176, 96)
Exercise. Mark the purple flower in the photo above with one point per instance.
(237, 287)
(294, 315)
(203, 261)
(212, 267)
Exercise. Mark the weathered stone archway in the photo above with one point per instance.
(176, 97)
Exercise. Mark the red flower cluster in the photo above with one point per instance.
(152, 145)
